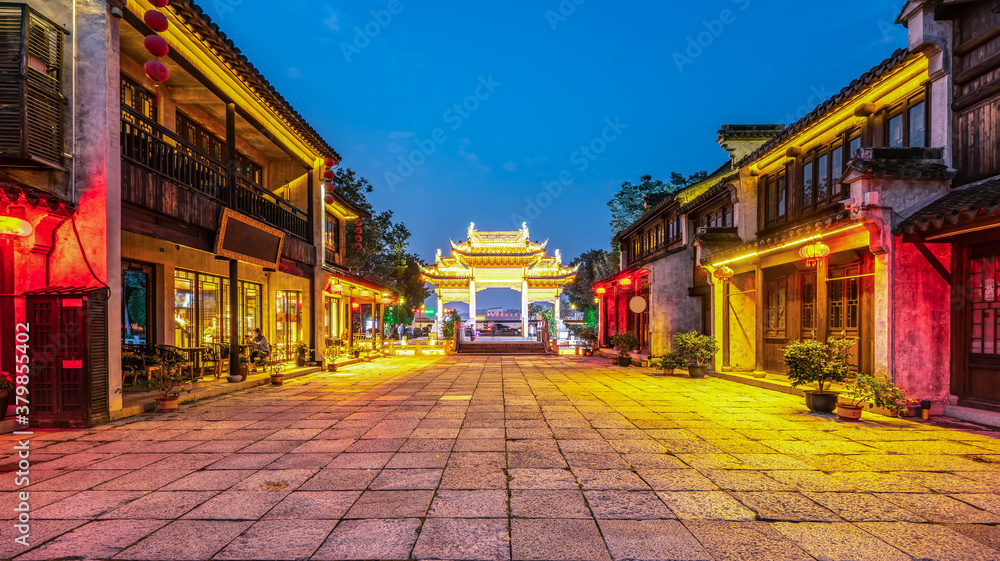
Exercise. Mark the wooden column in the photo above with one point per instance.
(231, 152)
(234, 317)
(759, 317)
(822, 308)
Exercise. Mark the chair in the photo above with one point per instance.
(218, 355)
(174, 354)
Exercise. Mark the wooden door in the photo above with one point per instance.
(850, 291)
(58, 356)
(983, 317)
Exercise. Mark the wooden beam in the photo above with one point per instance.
(934, 261)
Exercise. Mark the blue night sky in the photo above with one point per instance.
(507, 96)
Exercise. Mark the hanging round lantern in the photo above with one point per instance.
(358, 230)
(723, 273)
(357, 246)
(355, 305)
(328, 175)
(14, 226)
(328, 199)
(386, 300)
(358, 222)
(625, 282)
(156, 21)
(357, 239)
(601, 290)
(156, 46)
(366, 293)
(813, 252)
(160, 3)
(156, 71)
(329, 162)
(335, 288)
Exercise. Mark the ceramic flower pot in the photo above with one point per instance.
(696, 371)
(824, 402)
(234, 379)
(849, 412)
(277, 380)
(624, 361)
(168, 403)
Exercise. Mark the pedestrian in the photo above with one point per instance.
(261, 348)
(399, 331)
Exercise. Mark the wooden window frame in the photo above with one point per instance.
(771, 216)
(143, 101)
(902, 110)
(776, 332)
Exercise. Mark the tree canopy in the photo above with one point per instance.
(629, 203)
(384, 256)
(594, 265)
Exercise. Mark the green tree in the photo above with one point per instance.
(595, 265)
(629, 203)
(537, 311)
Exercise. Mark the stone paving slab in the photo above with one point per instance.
(535, 457)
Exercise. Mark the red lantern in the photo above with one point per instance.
(723, 273)
(357, 246)
(156, 45)
(357, 230)
(358, 222)
(160, 3)
(328, 199)
(602, 290)
(329, 162)
(157, 71)
(813, 252)
(625, 281)
(156, 21)
(357, 239)
(328, 174)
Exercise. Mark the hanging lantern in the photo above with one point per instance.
(328, 199)
(357, 246)
(357, 230)
(625, 282)
(813, 252)
(386, 300)
(602, 290)
(329, 162)
(156, 21)
(355, 305)
(359, 222)
(335, 288)
(366, 293)
(723, 273)
(160, 3)
(328, 175)
(156, 45)
(357, 239)
(14, 226)
(157, 71)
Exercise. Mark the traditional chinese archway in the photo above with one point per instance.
(498, 260)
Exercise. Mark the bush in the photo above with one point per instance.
(625, 343)
(812, 362)
(695, 347)
(449, 324)
(877, 391)
(588, 335)
(671, 361)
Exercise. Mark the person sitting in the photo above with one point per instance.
(259, 348)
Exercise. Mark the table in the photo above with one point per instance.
(194, 354)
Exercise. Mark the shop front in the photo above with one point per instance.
(624, 307)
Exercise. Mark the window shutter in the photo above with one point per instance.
(11, 81)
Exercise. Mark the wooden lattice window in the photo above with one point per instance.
(775, 300)
(984, 281)
(31, 100)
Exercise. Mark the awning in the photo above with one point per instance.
(969, 208)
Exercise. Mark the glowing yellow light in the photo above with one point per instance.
(625, 281)
(13, 226)
(785, 246)
(602, 290)
(723, 273)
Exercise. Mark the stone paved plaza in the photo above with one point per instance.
(507, 458)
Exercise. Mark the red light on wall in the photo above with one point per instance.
(13, 226)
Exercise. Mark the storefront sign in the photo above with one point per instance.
(637, 304)
(248, 240)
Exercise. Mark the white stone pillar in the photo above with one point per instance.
(557, 317)
(524, 308)
(440, 317)
(472, 302)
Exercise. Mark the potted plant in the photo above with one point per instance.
(697, 350)
(167, 384)
(329, 356)
(244, 368)
(813, 362)
(277, 370)
(6, 391)
(876, 391)
(624, 343)
(670, 362)
(356, 350)
(301, 349)
(589, 336)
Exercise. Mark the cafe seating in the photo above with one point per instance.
(178, 356)
(217, 358)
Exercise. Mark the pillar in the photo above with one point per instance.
(759, 319)
(234, 317)
(472, 303)
(558, 317)
(524, 308)
(440, 317)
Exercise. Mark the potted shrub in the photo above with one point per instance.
(329, 356)
(244, 368)
(356, 350)
(697, 350)
(813, 362)
(589, 336)
(277, 371)
(670, 362)
(167, 384)
(301, 349)
(624, 343)
(876, 391)
(6, 392)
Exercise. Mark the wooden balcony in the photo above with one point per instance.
(164, 174)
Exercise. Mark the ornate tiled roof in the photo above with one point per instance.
(902, 163)
(973, 202)
(853, 88)
(784, 236)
